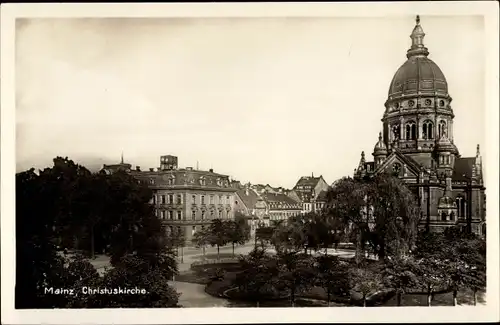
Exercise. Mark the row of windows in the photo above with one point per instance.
(427, 130)
(201, 181)
(178, 199)
(202, 215)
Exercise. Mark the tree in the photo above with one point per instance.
(257, 279)
(218, 235)
(346, 201)
(201, 239)
(135, 272)
(238, 231)
(399, 274)
(295, 273)
(431, 273)
(332, 275)
(365, 282)
(396, 216)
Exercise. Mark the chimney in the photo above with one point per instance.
(151, 169)
(211, 170)
(138, 168)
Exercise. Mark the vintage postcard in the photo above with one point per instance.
(239, 163)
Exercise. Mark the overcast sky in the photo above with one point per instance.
(262, 100)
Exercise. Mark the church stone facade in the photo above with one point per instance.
(417, 145)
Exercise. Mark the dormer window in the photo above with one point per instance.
(171, 180)
(203, 180)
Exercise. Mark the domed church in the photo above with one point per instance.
(417, 145)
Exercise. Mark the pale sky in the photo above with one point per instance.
(262, 100)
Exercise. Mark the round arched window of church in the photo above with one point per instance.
(411, 103)
(441, 103)
(396, 105)
(428, 102)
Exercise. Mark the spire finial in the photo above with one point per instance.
(122, 158)
(477, 151)
(380, 136)
(417, 41)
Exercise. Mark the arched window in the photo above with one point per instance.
(442, 129)
(411, 130)
(428, 130)
(452, 216)
(443, 216)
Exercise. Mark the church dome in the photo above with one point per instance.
(380, 148)
(419, 74)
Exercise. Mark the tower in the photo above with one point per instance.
(379, 151)
(417, 110)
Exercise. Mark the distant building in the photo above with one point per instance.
(109, 169)
(251, 205)
(311, 191)
(417, 145)
(187, 198)
(280, 206)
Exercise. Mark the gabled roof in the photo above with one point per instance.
(414, 166)
(322, 196)
(278, 197)
(462, 171)
(248, 197)
(308, 181)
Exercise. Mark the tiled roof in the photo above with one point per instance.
(248, 197)
(308, 181)
(185, 177)
(463, 169)
(281, 201)
(322, 196)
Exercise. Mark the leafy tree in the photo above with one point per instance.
(295, 273)
(332, 275)
(238, 231)
(396, 216)
(431, 273)
(365, 282)
(264, 235)
(257, 280)
(400, 274)
(346, 201)
(135, 272)
(218, 235)
(201, 238)
(79, 273)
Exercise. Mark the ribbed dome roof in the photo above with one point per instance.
(418, 74)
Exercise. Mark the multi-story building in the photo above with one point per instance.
(417, 145)
(311, 192)
(187, 198)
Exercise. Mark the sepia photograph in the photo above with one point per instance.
(207, 158)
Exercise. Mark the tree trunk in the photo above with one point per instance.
(182, 254)
(305, 250)
(399, 298)
(258, 304)
(233, 249)
(203, 251)
(292, 297)
(429, 298)
(328, 297)
(455, 297)
(475, 297)
(218, 258)
(364, 300)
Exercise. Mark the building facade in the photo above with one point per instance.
(417, 145)
(311, 192)
(187, 198)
